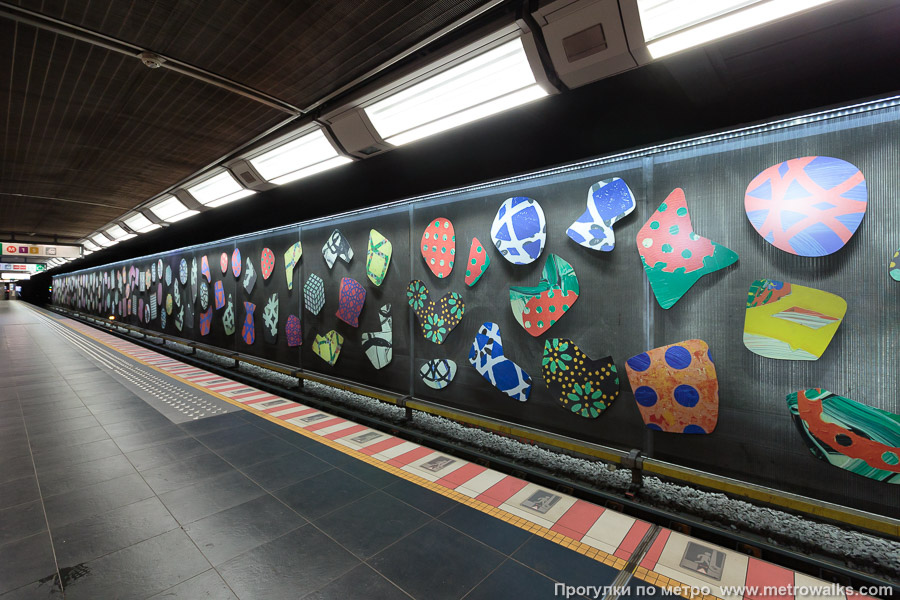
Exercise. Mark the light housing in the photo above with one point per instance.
(102, 241)
(117, 233)
(671, 26)
(218, 190)
(298, 157)
(493, 81)
(89, 245)
(139, 223)
(171, 210)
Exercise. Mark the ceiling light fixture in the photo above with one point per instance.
(171, 210)
(118, 234)
(102, 240)
(301, 157)
(491, 82)
(671, 26)
(218, 190)
(139, 223)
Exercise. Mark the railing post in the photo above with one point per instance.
(635, 462)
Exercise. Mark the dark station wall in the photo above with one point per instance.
(616, 313)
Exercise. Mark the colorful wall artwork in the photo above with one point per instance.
(168, 275)
(291, 259)
(790, 322)
(478, 262)
(439, 247)
(608, 201)
(675, 387)
(337, 247)
(249, 277)
(204, 295)
(195, 280)
(270, 320)
(219, 290)
(351, 297)
(859, 438)
(437, 318)
(894, 266)
(378, 257)
(204, 269)
(538, 308)
(182, 271)
(675, 257)
(228, 317)
(808, 206)
(519, 230)
(581, 385)
(314, 293)
(205, 322)
(179, 319)
(236, 263)
(438, 373)
(266, 263)
(248, 331)
(293, 332)
(379, 345)
(486, 355)
(223, 262)
(328, 346)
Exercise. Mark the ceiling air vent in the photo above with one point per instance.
(585, 39)
(247, 175)
(585, 43)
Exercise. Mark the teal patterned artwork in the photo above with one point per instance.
(859, 438)
(675, 257)
(437, 317)
(537, 308)
(894, 266)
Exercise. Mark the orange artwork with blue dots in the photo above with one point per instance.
(675, 387)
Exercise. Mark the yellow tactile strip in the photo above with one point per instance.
(669, 584)
(538, 530)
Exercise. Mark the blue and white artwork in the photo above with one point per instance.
(183, 272)
(608, 201)
(487, 357)
(438, 373)
(519, 230)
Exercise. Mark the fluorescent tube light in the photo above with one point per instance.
(117, 233)
(171, 210)
(218, 190)
(102, 240)
(89, 245)
(140, 223)
(304, 156)
(671, 26)
(484, 85)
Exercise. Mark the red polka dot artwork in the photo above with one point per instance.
(439, 247)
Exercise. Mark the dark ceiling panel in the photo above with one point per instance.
(47, 217)
(296, 51)
(87, 124)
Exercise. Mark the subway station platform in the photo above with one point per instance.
(128, 474)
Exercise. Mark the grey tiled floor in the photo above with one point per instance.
(101, 497)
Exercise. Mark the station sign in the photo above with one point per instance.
(32, 250)
(23, 267)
